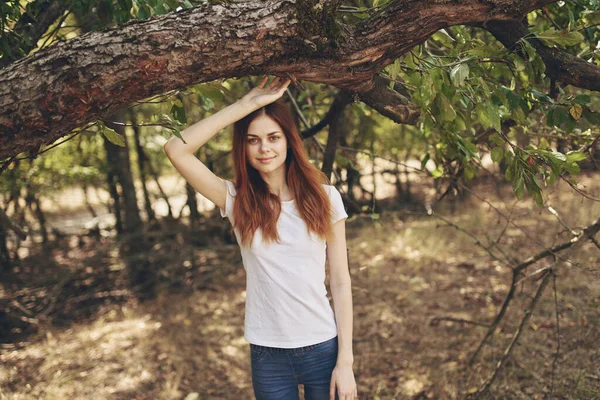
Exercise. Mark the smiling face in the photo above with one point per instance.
(266, 145)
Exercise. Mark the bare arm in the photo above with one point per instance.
(181, 155)
(341, 290)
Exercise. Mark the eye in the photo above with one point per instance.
(251, 140)
(275, 137)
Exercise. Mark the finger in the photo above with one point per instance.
(332, 390)
(265, 79)
(283, 85)
(274, 82)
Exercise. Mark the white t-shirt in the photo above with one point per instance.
(286, 297)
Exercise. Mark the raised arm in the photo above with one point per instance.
(181, 155)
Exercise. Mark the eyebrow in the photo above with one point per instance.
(268, 134)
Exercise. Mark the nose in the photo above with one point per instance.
(264, 147)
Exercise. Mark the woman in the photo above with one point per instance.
(287, 220)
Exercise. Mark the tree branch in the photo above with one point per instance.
(46, 95)
(560, 65)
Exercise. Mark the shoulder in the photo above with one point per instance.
(331, 190)
(230, 187)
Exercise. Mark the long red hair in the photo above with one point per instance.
(255, 206)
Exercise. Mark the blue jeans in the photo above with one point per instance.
(277, 372)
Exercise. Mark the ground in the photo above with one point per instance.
(406, 269)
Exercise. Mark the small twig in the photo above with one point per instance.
(587, 196)
(19, 306)
(436, 320)
(526, 317)
(555, 213)
(98, 295)
(557, 335)
(542, 254)
(533, 274)
(472, 236)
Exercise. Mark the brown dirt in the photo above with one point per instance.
(406, 269)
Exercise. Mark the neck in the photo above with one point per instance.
(276, 182)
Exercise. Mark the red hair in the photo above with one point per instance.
(255, 206)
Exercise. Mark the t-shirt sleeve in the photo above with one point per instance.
(228, 211)
(337, 205)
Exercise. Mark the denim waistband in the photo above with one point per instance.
(286, 350)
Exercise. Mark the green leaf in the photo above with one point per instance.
(424, 160)
(459, 124)
(557, 116)
(494, 114)
(112, 136)
(459, 74)
(509, 172)
(561, 38)
(582, 99)
(574, 156)
(592, 117)
(485, 87)
(551, 178)
(207, 103)
(427, 91)
(558, 156)
(439, 171)
(447, 112)
(590, 18)
(437, 77)
(518, 187)
(537, 196)
(482, 114)
(470, 172)
(179, 113)
(541, 96)
(496, 139)
(177, 133)
(572, 168)
(497, 154)
(544, 144)
(486, 51)
(514, 100)
(501, 95)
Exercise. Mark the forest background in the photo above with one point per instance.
(463, 137)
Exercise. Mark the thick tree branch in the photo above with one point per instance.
(49, 93)
(560, 65)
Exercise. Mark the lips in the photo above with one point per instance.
(266, 159)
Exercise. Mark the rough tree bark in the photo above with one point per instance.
(47, 94)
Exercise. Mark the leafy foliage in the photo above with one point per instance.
(476, 97)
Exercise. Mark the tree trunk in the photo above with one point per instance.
(86, 199)
(192, 205)
(112, 181)
(335, 128)
(5, 261)
(141, 158)
(133, 222)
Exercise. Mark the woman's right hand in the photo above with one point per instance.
(262, 95)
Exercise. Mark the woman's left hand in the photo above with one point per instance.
(342, 378)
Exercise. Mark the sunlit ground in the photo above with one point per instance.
(405, 269)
